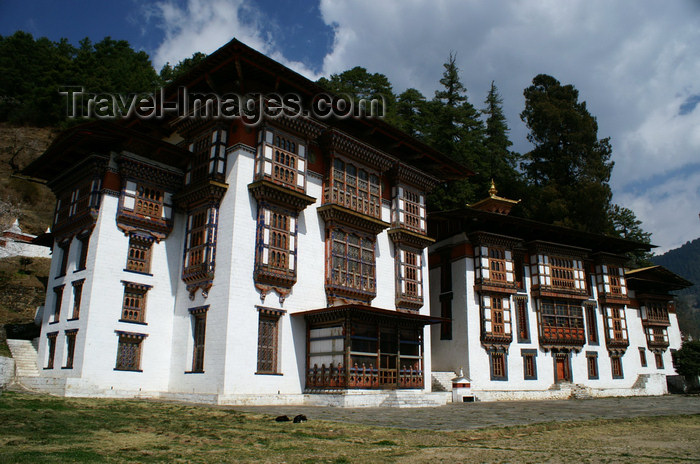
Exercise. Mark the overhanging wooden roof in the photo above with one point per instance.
(368, 311)
(444, 224)
(237, 68)
(656, 278)
(81, 141)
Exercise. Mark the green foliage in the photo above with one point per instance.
(453, 127)
(34, 71)
(569, 167)
(626, 225)
(169, 73)
(502, 162)
(687, 359)
(359, 84)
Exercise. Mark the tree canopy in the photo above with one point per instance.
(568, 166)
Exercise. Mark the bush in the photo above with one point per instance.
(687, 359)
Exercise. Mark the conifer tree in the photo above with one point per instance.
(454, 128)
(569, 167)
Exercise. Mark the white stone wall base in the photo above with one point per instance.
(646, 385)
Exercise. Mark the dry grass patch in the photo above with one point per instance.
(41, 428)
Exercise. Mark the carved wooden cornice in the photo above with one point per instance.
(488, 239)
(344, 144)
(76, 224)
(404, 173)
(345, 295)
(209, 191)
(555, 249)
(408, 303)
(401, 236)
(339, 215)
(607, 299)
(267, 191)
(485, 285)
(492, 341)
(546, 292)
(91, 168)
(169, 180)
(300, 125)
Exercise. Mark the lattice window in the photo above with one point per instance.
(498, 365)
(655, 311)
(139, 255)
(276, 251)
(209, 159)
(134, 302)
(281, 159)
(643, 357)
(561, 321)
(65, 250)
(129, 351)
(559, 273)
(616, 366)
(592, 324)
(84, 246)
(267, 344)
(657, 336)
(529, 364)
(523, 320)
(51, 349)
(356, 188)
(611, 281)
(592, 363)
(352, 261)
(494, 264)
(496, 315)
(77, 297)
(616, 323)
(409, 209)
(200, 240)
(146, 201)
(70, 348)
(58, 297)
(659, 358)
(77, 201)
(199, 327)
(410, 274)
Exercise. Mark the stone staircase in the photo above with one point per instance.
(415, 399)
(24, 352)
(27, 375)
(580, 392)
(442, 381)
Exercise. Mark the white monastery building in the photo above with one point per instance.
(287, 262)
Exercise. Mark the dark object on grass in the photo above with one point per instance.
(282, 419)
(299, 418)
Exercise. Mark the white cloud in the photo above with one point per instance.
(634, 62)
(204, 26)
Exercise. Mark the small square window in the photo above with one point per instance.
(616, 365)
(129, 351)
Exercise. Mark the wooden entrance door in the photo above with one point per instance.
(388, 365)
(562, 366)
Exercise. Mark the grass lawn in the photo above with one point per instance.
(37, 428)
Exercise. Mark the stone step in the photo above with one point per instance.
(25, 355)
(442, 381)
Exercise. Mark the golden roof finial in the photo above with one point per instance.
(492, 190)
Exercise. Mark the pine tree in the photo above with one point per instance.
(454, 128)
(502, 163)
(568, 166)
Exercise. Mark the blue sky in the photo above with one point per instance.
(635, 62)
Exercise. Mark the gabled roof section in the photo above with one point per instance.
(239, 69)
(74, 145)
(656, 277)
(444, 224)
